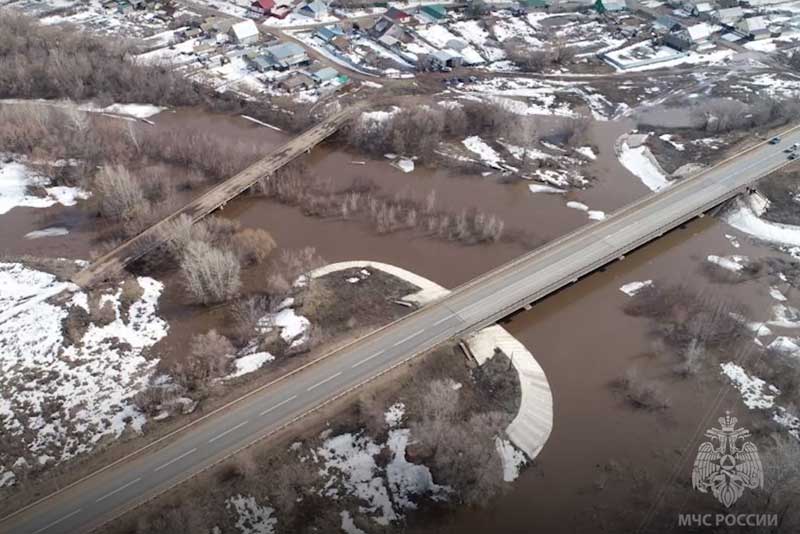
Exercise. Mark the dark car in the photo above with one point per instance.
(775, 140)
(793, 156)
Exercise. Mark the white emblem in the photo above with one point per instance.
(728, 468)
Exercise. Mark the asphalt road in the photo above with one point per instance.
(480, 302)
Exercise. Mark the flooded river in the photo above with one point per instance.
(588, 477)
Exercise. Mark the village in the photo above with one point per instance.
(313, 50)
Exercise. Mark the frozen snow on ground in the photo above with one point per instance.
(487, 154)
(252, 518)
(539, 188)
(586, 151)
(394, 415)
(140, 111)
(785, 316)
(638, 161)
(349, 463)
(776, 294)
(729, 263)
(745, 219)
(631, 288)
(250, 363)
(348, 526)
(350, 460)
(60, 397)
(293, 327)
(513, 459)
(756, 393)
(15, 181)
(668, 139)
(733, 240)
(53, 231)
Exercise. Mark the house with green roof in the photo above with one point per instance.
(436, 12)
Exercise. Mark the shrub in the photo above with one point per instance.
(211, 275)
(118, 195)
(253, 245)
(209, 357)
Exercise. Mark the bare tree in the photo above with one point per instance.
(211, 275)
(253, 245)
(118, 195)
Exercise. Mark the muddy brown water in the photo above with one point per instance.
(580, 335)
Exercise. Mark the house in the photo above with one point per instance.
(700, 32)
(262, 63)
(282, 9)
(296, 82)
(680, 40)
(533, 5)
(329, 33)
(136, 4)
(325, 75)
(435, 12)
(665, 23)
(262, 8)
(615, 5)
(697, 9)
(445, 59)
(316, 9)
(245, 32)
(388, 41)
(456, 44)
(189, 33)
(730, 16)
(753, 28)
(287, 55)
(381, 26)
(341, 43)
(396, 15)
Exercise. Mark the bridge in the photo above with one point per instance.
(116, 260)
(167, 462)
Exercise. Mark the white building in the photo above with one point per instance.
(245, 32)
(753, 28)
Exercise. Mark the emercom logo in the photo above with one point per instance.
(726, 467)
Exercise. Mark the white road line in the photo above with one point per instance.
(109, 494)
(415, 334)
(324, 381)
(184, 455)
(443, 319)
(365, 360)
(57, 521)
(268, 410)
(218, 436)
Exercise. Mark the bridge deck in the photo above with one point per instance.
(114, 261)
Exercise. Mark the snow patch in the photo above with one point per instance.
(632, 288)
(252, 518)
(513, 459)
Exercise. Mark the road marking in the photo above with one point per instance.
(290, 399)
(324, 381)
(129, 484)
(184, 455)
(415, 334)
(57, 521)
(240, 425)
(440, 321)
(365, 360)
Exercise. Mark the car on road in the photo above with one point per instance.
(793, 156)
(775, 140)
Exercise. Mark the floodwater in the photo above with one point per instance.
(585, 479)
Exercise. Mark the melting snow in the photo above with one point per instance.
(60, 399)
(512, 459)
(252, 518)
(729, 263)
(632, 288)
(53, 231)
(638, 161)
(756, 393)
(251, 362)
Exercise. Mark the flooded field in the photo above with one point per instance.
(600, 449)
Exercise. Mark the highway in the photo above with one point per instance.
(480, 302)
